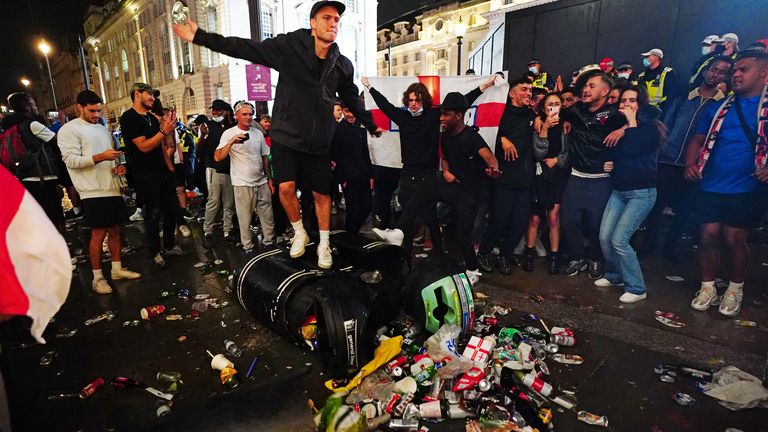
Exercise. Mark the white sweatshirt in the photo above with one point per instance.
(79, 141)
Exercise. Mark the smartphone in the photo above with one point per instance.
(553, 110)
(244, 139)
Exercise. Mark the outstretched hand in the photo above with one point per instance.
(186, 31)
(488, 84)
(365, 82)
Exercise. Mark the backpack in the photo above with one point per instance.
(12, 148)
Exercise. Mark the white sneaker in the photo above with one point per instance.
(603, 282)
(298, 242)
(632, 298)
(185, 230)
(137, 216)
(101, 286)
(473, 276)
(704, 298)
(324, 257)
(124, 273)
(731, 303)
(391, 236)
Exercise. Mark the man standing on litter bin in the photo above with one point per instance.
(312, 73)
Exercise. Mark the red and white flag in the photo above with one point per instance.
(35, 266)
(485, 112)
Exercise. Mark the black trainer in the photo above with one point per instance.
(575, 266)
(505, 265)
(528, 255)
(595, 269)
(208, 241)
(484, 263)
(553, 266)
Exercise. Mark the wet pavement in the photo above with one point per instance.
(621, 344)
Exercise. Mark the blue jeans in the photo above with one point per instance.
(623, 215)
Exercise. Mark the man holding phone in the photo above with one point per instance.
(249, 169)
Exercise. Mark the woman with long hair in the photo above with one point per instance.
(634, 171)
(550, 142)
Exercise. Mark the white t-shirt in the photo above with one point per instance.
(245, 164)
(41, 131)
(79, 141)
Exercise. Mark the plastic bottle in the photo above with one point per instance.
(232, 348)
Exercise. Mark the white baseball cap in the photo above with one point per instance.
(656, 51)
(711, 39)
(731, 37)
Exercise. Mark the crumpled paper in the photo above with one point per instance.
(737, 389)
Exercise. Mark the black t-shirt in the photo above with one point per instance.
(462, 151)
(134, 125)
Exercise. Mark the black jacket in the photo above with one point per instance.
(349, 150)
(303, 115)
(588, 152)
(516, 125)
(41, 158)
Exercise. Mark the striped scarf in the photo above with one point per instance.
(761, 147)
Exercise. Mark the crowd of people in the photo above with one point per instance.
(579, 168)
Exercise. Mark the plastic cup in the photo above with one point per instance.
(219, 362)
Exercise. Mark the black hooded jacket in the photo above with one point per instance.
(306, 90)
(516, 125)
(40, 159)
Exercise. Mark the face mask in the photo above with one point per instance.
(646, 62)
(534, 70)
(218, 119)
(417, 113)
(624, 75)
(705, 50)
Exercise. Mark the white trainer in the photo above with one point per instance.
(298, 243)
(704, 298)
(731, 303)
(324, 257)
(137, 216)
(185, 230)
(101, 286)
(473, 276)
(124, 273)
(391, 236)
(603, 282)
(632, 298)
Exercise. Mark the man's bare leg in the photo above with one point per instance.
(290, 203)
(323, 212)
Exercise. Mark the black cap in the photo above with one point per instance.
(219, 104)
(202, 118)
(340, 7)
(455, 101)
(533, 61)
(624, 66)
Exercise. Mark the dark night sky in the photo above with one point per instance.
(24, 23)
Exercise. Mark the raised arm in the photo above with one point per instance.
(394, 113)
(350, 94)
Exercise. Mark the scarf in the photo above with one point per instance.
(761, 146)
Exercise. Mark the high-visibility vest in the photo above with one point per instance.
(541, 81)
(656, 87)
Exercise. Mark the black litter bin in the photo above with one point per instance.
(348, 304)
(438, 292)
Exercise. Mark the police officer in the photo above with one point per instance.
(540, 79)
(624, 70)
(659, 80)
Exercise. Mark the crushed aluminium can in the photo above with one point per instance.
(592, 419)
(91, 388)
(568, 359)
(684, 399)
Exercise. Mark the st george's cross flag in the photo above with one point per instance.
(485, 113)
(35, 266)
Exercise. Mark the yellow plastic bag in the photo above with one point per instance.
(384, 353)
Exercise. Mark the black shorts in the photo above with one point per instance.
(737, 210)
(309, 171)
(179, 171)
(48, 195)
(103, 212)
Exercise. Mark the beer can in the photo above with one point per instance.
(562, 340)
(397, 372)
(91, 388)
(402, 404)
(229, 377)
(397, 361)
(151, 311)
(391, 403)
(484, 385)
(169, 376)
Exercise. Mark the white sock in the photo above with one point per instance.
(116, 265)
(298, 226)
(735, 286)
(324, 238)
(97, 274)
(708, 284)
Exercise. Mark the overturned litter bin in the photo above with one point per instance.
(335, 313)
(438, 292)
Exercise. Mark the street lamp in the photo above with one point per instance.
(460, 29)
(45, 49)
(25, 82)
